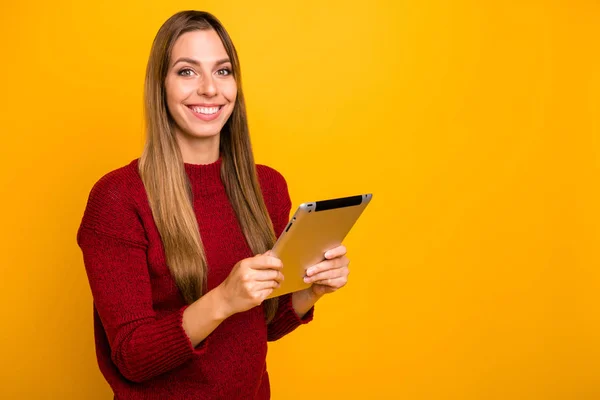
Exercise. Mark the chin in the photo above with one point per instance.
(203, 133)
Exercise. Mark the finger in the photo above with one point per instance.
(260, 286)
(268, 275)
(265, 262)
(335, 283)
(336, 252)
(328, 274)
(327, 265)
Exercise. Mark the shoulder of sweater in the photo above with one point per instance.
(270, 178)
(121, 187)
(125, 178)
(274, 188)
(113, 207)
(114, 203)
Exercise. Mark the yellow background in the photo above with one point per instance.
(475, 271)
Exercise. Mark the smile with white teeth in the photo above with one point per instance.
(205, 110)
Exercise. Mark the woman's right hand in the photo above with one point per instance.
(250, 281)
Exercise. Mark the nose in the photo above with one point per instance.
(207, 86)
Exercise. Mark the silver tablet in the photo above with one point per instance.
(315, 228)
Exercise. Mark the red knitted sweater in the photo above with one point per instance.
(142, 349)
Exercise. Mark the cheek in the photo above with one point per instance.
(170, 92)
(177, 92)
(229, 91)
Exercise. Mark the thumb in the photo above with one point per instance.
(269, 253)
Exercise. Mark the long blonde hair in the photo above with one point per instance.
(162, 168)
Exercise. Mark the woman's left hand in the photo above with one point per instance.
(329, 275)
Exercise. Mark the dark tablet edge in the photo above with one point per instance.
(338, 203)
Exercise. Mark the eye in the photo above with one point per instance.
(224, 72)
(185, 72)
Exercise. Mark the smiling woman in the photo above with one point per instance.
(200, 89)
(176, 244)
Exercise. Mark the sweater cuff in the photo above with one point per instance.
(290, 313)
(286, 319)
(169, 346)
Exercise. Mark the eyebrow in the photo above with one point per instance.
(197, 63)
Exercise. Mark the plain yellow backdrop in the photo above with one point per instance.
(475, 270)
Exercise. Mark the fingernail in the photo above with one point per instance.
(309, 271)
(306, 279)
(327, 254)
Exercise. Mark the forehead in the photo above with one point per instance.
(203, 45)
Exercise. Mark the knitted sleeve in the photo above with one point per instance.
(112, 239)
(279, 203)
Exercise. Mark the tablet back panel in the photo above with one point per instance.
(315, 228)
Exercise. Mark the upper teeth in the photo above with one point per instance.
(205, 110)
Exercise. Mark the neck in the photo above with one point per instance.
(198, 150)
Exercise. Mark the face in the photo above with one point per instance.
(200, 87)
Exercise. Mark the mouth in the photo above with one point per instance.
(205, 112)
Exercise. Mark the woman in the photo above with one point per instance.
(176, 244)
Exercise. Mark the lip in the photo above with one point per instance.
(205, 117)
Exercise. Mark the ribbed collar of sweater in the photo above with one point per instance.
(205, 178)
